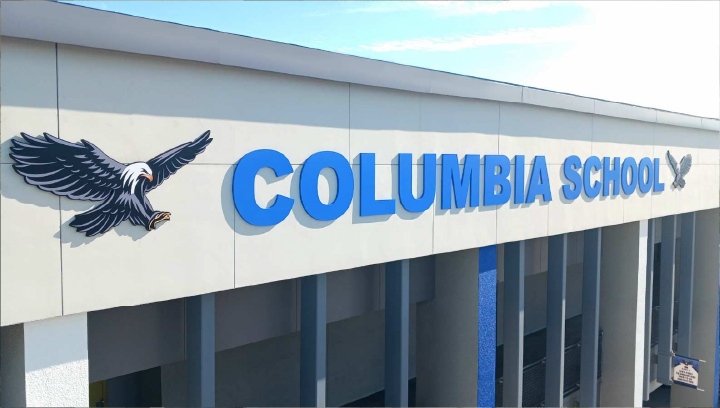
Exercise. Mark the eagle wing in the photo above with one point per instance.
(168, 163)
(685, 164)
(673, 162)
(79, 171)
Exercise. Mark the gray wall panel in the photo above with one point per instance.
(536, 302)
(353, 292)
(422, 279)
(267, 373)
(255, 313)
(128, 339)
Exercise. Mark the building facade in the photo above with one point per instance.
(349, 232)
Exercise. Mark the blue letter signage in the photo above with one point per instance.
(462, 182)
(244, 187)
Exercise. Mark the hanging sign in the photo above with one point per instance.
(685, 371)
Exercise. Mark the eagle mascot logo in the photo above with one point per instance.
(81, 171)
(680, 170)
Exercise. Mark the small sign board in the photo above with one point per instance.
(685, 371)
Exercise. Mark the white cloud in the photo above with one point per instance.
(452, 8)
(382, 8)
(660, 54)
(440, 8)
(517, 36)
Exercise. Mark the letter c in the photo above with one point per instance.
(592, 189)
(243, 188)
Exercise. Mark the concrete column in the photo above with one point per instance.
(513, 323)
(622, 313)
(313, 340)
(666, 300)
(397, 332)
(704, 312)
(649, 277)
(592, 248)
(200, 337)
(555, 352)
(45, 363)
(686, 273)
(456, 331)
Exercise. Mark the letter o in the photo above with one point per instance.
(628, 187)
(309, 175)
(644, 184)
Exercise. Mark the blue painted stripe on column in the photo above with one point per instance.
(487, 325)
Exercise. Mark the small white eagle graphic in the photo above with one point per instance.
(680, 170)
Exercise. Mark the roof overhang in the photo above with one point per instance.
(76, 25)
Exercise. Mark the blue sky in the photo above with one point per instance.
(663, 54)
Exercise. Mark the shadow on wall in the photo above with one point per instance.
(76, 239)
(15, 188)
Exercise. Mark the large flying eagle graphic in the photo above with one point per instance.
(81, 171)
(680, 170)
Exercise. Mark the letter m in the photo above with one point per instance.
(462, 185)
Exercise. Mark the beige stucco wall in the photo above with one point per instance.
(134, 107)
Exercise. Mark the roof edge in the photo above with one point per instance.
(69, 24)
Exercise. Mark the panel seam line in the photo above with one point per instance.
(57, 117)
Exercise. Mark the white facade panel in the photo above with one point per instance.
(28, 102)
(188, 255)
(553, 133)
(386, 122)
(135, 107)
(459, 125)
(614, 137)
(679, 141)
(29, 227)
(583, 212)
(456, 229)
(301, 245)
(522, 221)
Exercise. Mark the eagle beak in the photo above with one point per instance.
(147, 176)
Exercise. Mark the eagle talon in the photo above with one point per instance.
(157, 218)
